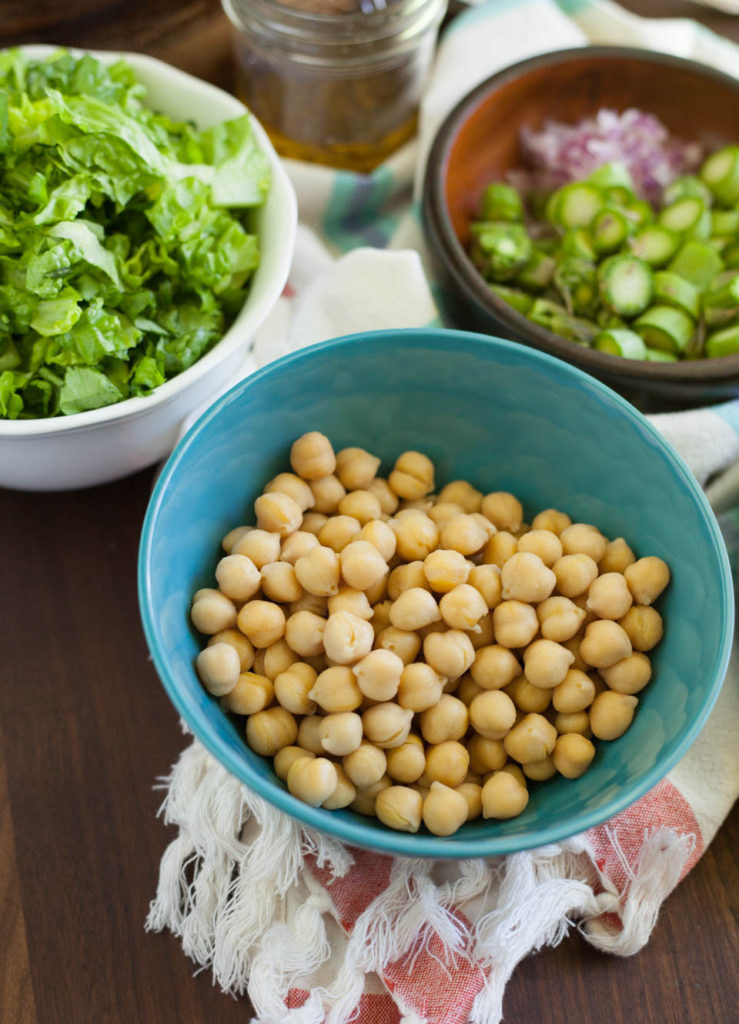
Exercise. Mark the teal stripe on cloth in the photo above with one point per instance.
(729, 413)
(573, 7)
(355, 214)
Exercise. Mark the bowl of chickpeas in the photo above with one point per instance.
(435, 593)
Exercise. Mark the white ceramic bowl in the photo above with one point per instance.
(93, 447)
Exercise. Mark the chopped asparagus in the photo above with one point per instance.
(672, 290)
(521, 301)
(697, 263)
(665, 328)
(501, 202)
(655, 244)
(626, 284)
(721, 173)
(723, 343)
(621, 343)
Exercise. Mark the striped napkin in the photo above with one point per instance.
(315, 931)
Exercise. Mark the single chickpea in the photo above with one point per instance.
(364, 801)
(263, 622)
(573, 645)
(309, 603)
(212, 612)
(444, 810)
(524, 577)
(407, 762)
(285, 758)
(443, 512)
(604, 644)
(499, 549)
(485, 755)
(344, 793)
(270, 730)
(347, 638)
(574, 574)
(503, 796)
(413, 476)
(611, 714)
(416, 535)
(630, 675)
(327, 494)
(503, 510)
(559, 618)
(527, 697)
(551, 519)
(363, 506)
(618, 556)
(414, 609)
(356, 468)
(341, 733)
(546, 663)
(531, 740)
(312, 779)
(380, 536)
(574, 693)
(484, 524)
(378, 674)
(294, 487)
(581, 602)
(241, 645)
(348, 600)
(472, 792)
(233, 537)
(319, 571)
(293, 686)
(312, 522)
(451, 653)
(387, 725)
(381, 615)
(543, 543)
(419, 687)
(362, 565)
(487, 580)
(494, 667)
(338, 531)
(492, 714)
(385, 495)
(462, 607)
(419, 505)
(260, 546)
(405, 576)
(238, 578)
(304, 633)
(609, 596)
(366, 765)
(280, 583)
(377, 592)
(277, 658)
(515, 624)
(296, 546)
(400, 808)
(448, 719)
(278, 513)
(309, 733)
(511, 768)
(447, 762)
(405, 643)
(464, 534)
(336, 690)
(540, 771)
(572, 755)
(218, 668)
(460, 492)
(647, 578)
(444, 570)
(573, 722)
(485, 635)
(312, 456)
(583, 539)
(644, 627)
(252, 693)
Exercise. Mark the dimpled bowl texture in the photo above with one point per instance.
(505, 418)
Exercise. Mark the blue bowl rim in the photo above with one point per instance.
(367, 835)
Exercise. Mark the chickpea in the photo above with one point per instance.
(414, 609)
(309, 733)
(362, 565)
(546, 664)
(413, 476)
(309, 603)
(296, 545)
(327, 494)
(543, 543)
(573, 645)
(260, 546)
(378, 674)
(464, 534)
(405, 576)
(278, 513)
(336, 690)
(462, 607)
(407, 762)
(531, 740)
(277, 658)
(486, 633)
(472, 792)
(312, 521)
(540, 771)
(312, 779)
(420, 687)
(294, 487)
(503, 510)
(344, 793)
(270, 730)
(347, 638)
(212, 612)
(609, 596)
(559, 618)
(312, 456)
(364, 801)
(445, 570)
(583, 539)
(238, 641)
(385, 495)
(381, 615)
(511, 768)
(447, 762)
(293, 686)
(460, 492)
(494, 667)
(484, 524)
(611, 714)
(572, 755)
(581, 602)
(378, 591)
(573, 722)
(574, 693)
(574, 574)
(341, 733)
(499, 549)
(380, 536)
(338, 531)
(643, 624)
(218, 668)
(263, 622)
(252, 693)
(515, 624)
(487, 580)
(503, 796)
(443, 512)
(405, 643)
(387, 725)
(304, 633)
(604, 644)
(630, 675)
(486, 755)
(366, 765)
(400, 808)
(319, 571)
(618, 556)
(446, 720)
(492, 714)
(416, 535)
(238, 578)
(444, 810)
(285, 758)
(450, 653)
(524, 577)
(280, 583)
(647, 578)
(363, 506)
(356, 468)
(551, 519)
(528, 697)
(233, 537)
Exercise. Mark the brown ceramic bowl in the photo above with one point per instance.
(479, 142)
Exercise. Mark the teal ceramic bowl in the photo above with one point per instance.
(504, 417)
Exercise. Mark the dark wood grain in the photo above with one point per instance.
(85, 729)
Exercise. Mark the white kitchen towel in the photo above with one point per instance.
(316, 931)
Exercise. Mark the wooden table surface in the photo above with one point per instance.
(85, 727)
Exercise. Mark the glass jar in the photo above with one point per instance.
(334, 81)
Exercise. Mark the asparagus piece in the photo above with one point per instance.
(672, 290)
(665, 328)
(556, 319)
(697, 263)
(609, 230)
(621, 343)
(501, 202)
(520, 301)
(723, 343)
(576, 280)
(655, 244)
(504, 249)
(626, 284)
(721, 173)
